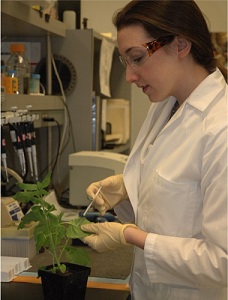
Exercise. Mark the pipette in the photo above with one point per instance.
(20, 149)
(87, 209)
(28, 143)
(15, 138)
(34, 156)
(3, 153)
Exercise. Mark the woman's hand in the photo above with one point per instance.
(113, 191)
(106, 236)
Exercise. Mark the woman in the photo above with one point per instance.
(172, 196)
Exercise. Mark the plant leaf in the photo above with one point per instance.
(62, 268)
(25, 197)
(77, 256)
(74, 230)
(43, 192)
(27, 186)
(40, 237)
(48, 206)
(33, 192)
(32, 216)
(45, 183)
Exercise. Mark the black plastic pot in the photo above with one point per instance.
(69, 286)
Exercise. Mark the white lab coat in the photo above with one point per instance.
(176, 179)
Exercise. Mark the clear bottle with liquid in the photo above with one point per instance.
(20, 65)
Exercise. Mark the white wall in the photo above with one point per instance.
(216, 14)
(99, 14)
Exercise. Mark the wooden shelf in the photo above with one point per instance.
(19, 19)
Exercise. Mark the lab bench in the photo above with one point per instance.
(28, 291)
(108, 279)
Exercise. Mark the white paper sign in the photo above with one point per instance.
(106, 57)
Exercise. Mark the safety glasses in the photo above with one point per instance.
(137, 56)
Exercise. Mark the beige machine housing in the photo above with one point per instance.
(91, 166)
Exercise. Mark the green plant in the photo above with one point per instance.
(51, 232)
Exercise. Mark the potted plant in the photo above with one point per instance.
(53, 234)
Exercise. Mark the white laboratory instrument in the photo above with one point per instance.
(91, 166)
(10, 211)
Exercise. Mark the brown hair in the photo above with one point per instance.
(170, 17)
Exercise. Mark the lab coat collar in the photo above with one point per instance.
(200, 98)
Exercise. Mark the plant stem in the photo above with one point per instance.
(52, 244)
(63, 249)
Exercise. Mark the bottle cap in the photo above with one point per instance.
(10, 72)
(17, 48)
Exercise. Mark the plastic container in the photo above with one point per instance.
(70, 286)
(20, 65)
(69, 18)
(3, 75)
(35, 84)
(11, 82)
(18, 243)
(12, 266)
